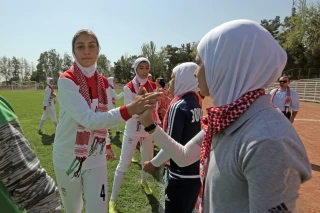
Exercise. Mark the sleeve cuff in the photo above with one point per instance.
(108, 146)
(124, 113)
(155, 131)
(154, 163)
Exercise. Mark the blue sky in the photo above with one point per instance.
(28, 28)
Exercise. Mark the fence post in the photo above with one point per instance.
(315, 92)
(304, 91)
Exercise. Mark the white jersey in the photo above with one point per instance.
(48, 99)
(74, 110)
(133, 126)
(112, 94)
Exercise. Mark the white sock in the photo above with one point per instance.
(117, 182)
(134, 153)
(144, 176)
(55, 123)
(41, 124)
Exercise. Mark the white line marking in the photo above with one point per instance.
(307, 120)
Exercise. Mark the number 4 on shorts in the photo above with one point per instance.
(102, 193)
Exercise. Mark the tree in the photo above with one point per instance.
(157, 59)
(41, 68)
(177, 55)
(55, 64)
(67, 62)
(49, 64)
(103, 65)
(5, 68)
(272, 25)
(123, 68)
(27, 69)
(16, 69)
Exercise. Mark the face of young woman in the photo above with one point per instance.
(143, 70)
(171, 84)
(86, 50)
(201, 77)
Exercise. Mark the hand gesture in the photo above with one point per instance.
(148, 167)
(110, 155)
(143, 101)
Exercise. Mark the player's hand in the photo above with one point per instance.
(143, 101)
(44, 108)
(148, 167)
(110, 155)
(146, 118)
(291, 119)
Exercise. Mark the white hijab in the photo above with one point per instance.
(110, 81)
(135, 66)
(239, 56)
(48, 80)
(184, 79)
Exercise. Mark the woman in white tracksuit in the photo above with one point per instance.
(112, 96)
(48, 105)
(134, 132)
(81, 143)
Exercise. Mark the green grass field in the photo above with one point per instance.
(28, 107)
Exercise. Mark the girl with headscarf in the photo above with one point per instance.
(181, 123)
(81, 143)
(251, 158)
(48, 105)
(134, 132)
(112, 97)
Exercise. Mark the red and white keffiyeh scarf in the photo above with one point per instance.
(136, 85)
(288, 99)
(52, 88)
(83, 134)
(52, 96)
(217, 119)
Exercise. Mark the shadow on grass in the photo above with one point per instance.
(157, 174)
(47, 139)
(116, 140)
(155, 204)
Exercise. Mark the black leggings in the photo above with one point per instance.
(181, 194)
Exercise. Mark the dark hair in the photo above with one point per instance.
(162, 82)
(84, 32)
(285, 76)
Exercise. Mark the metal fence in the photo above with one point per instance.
(39, 87)
(308, 90)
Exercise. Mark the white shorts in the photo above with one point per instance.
(93, 183)
(129, 144)
(50, 111)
